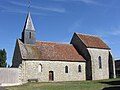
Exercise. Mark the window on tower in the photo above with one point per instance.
(30, 35)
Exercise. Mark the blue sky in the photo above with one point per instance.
(57, 20)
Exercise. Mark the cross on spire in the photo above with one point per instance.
(28, 5)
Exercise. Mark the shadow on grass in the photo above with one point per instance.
(116, 85)
(111, 83)
(112, 88)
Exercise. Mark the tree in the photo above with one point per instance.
(3, 58)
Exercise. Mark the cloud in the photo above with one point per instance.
(52, 9)
(94, 2)
(75, 27)
(22, 12)
(15, 10)
(58, 0)
(2, 7)
(111, 32)
(87, 1)
(114, 33)
(16, 3)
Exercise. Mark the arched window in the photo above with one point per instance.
(40, 68)
(79, 68)
(100, 63)
(66, 69)
(30, 35)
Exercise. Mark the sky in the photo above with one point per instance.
(57, 20)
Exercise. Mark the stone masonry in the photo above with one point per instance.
(30, 70)
(99, 73)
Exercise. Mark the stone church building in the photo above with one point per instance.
(85, 58)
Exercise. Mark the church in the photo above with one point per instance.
(87, 57)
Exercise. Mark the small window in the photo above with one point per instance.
(40, 68)
(66, 69)
(30, 35)
(79, 68)
(100, 63)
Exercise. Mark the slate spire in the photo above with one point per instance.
(29, 34)
(29, 24)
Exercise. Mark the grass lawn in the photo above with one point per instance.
(76, 85)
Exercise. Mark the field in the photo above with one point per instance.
(76, 85)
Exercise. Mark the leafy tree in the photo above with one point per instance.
(3, 58)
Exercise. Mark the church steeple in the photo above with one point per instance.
(29, 34)
(29, 24)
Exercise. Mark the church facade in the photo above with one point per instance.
(85, 58)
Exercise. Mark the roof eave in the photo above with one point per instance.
(54, 60)
(99, 48)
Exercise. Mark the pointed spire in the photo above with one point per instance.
(29, 33)
(29, 24)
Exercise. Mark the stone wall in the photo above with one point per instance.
(17, 59)
(112, 73)
(99, 73)
(31, 70)
(82, 50)
(10, 76)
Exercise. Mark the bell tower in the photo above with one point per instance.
(29, 33)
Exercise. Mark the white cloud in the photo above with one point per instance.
(3, 7)
(59, 10)
(61, 0)
(75, 27)
(53, 9)
(22, 12)
(87, 1)
(111, 32)
(15, 10)
(16, 3)
(94, 2)
(115, 33)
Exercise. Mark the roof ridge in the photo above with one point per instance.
(87, 34)
(52, 42)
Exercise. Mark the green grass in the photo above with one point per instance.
(76, 85)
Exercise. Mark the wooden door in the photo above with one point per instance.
(51, 76)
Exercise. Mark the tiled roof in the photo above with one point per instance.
(92, 41)
(50, 51)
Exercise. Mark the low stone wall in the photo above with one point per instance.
(10, 76)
